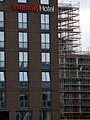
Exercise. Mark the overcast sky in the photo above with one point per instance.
(84, 22)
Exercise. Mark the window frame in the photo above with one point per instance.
(2, 59)
(46, 99)
(23, 79)
(46, 3)
(2, 100)
(23, 100)
(2, 39)
(22, 1)
(23, 40)
(2, 79)
(45, 40)
(46, 76)
(20, 114)
(45, 21)
(23, 59)
(1, 19)
(22, 20)
(45, 60)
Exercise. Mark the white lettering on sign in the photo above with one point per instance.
(46, 8)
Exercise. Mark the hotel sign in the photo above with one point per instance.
(40, 8)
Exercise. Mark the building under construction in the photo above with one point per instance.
(74, 66)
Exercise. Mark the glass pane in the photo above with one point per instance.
(43, 57)
(1, 16)
(20, 56)
(2, 76)
(1, 56)
(25, 56)
(22, 1)
(47, 38)
(25, 76)
(24, 17)
(19, 17)
(43, 37)
(42, 18)
(44, 2)
(47, 18)
(1, 36)
(47, 57)
(43, 76)
(47, 76)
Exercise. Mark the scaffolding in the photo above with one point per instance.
(74, 67)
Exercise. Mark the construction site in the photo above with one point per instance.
(74, 65)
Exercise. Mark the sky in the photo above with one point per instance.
(84, 22)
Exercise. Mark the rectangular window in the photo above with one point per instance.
(45, 41)
(23, 99)
(22, 20)
(2, 59)
(1, 19)
(45, 59)
(44, 2)
(22, 1)
(46, 98)
(22, 40)
(45, 21)
(1, 39)
(23, 79)
(46, 76)
(24, 115)
(2, 79)
(2, 100)
(45, 115)
(23, 59)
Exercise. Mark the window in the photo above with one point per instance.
(22, 1)
(45, 76)
(23, 99)
(1, 19)
(22, 40)
(44, 2)
(23, 78)
(44, 21)
(2, 80)
(2, 59)
(23, 59)
(45, 60)
(46, 97)
(45, 41)
(24, 115)
(1, 39)
(45, 115)
(22, 20)
(2, 100)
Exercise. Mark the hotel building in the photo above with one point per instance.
(29, 80)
